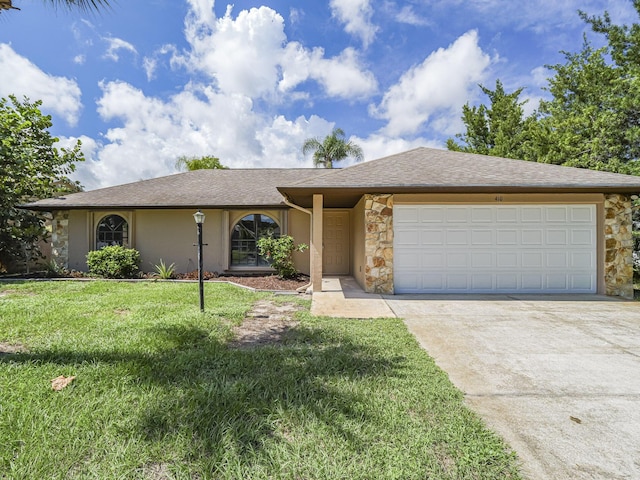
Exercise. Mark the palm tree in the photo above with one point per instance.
(333, 148)
(199, 163)
(84, 5)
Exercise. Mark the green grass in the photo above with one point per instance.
(160, 394)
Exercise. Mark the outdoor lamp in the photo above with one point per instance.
(199, 218)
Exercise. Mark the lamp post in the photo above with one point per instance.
(199, 218)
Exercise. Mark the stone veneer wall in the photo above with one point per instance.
(618, 261)
(60, 238)
(378, 250)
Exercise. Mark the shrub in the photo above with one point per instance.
(279, 251)
(114, 261)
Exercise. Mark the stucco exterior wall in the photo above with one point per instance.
(78, 239)
(299, 227)
(168, 234)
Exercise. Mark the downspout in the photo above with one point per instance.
(306, 287)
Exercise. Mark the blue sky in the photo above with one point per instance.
(143, 83)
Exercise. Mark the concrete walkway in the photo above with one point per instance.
(342, 297)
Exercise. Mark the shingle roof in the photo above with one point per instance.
(196, 189)
(427, 168)
(418, 170)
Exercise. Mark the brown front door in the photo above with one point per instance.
(335, 254)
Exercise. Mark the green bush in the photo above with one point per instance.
(279, 251)
(114, 261)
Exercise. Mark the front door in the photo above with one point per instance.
(335, 254)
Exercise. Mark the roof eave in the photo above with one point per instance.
(58, 207)
(351, 194)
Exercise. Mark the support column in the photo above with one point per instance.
(60, 238)
(316, 244)
(618, 262)
(378, 246)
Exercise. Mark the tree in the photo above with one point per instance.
(500, 129)
(199, 163)
(592, 121)
(31, 168)
(83, 5)
(333, 148)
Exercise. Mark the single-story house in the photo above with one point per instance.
(425, 220)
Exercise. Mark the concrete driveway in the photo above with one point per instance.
(557, 376)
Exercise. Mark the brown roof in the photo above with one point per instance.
(196, 189)
(443, 171)
(418, 170)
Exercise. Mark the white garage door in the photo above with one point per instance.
(495, 248)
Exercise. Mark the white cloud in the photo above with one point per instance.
(295, 14)
(80, 59)
(341, 76)
(115, 45)
(20, 77)
(282, 139)
(409, 16)
(356, 15)
(149, 64)
(440, 84)
(241, 54)
(250, 56)
(196, 121)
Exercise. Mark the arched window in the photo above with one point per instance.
(244, 237)
(112, 230)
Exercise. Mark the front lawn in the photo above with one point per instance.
(163, 391)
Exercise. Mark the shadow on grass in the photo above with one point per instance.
(224, 399)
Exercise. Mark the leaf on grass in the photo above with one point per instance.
(61, 382)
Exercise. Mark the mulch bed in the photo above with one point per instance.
(271, 282)
(259, 282)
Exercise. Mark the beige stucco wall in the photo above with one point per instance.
(299, 227)
(78, 239)
(357, 242)
(170, 235)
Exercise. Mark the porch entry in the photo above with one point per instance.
(335, 252)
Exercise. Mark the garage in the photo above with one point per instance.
(549, 248)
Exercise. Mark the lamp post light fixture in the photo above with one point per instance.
(199, 218)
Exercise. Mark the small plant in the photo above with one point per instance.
(279, 251)
(53, 269)
(114, 261)
(164, 271)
